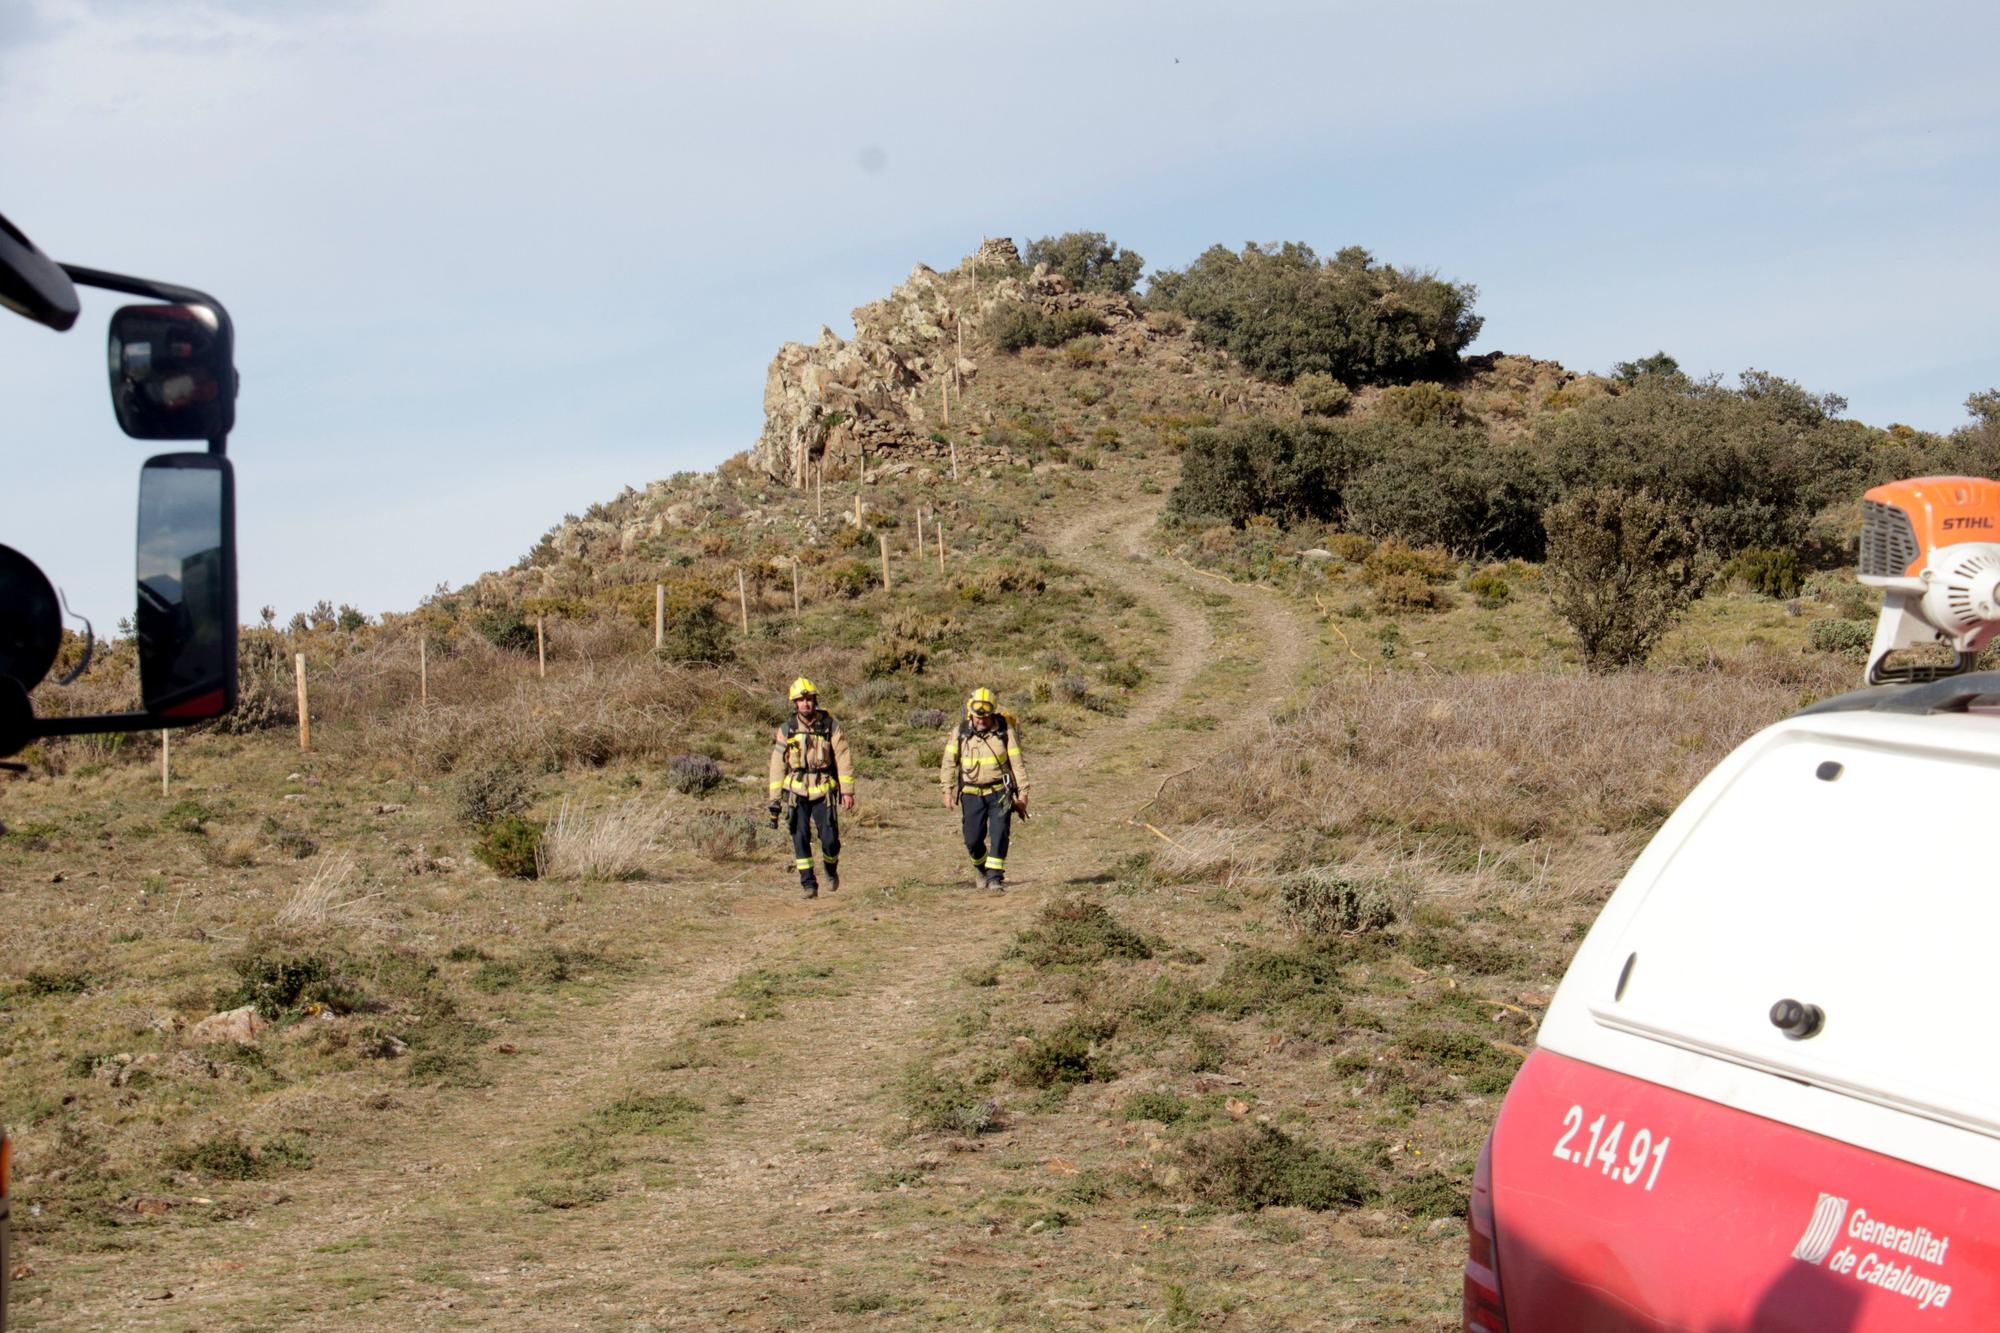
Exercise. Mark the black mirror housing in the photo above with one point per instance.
(186, 621)
(173, 373)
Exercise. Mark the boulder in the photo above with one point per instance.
(237, 1025)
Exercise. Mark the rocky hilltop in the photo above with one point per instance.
(840, 406)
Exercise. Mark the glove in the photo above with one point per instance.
(773, 810)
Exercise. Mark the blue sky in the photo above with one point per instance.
(491, 262)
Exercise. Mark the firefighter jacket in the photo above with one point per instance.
(979, 761)
(810, 758)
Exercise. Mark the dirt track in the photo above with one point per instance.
(420, 1222)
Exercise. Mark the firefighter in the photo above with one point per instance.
(982, 775)
(811, 767)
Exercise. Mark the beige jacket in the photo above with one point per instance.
(979, 760)
(811, 761)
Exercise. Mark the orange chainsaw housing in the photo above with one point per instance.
(1902, 522)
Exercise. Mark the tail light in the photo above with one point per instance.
(1484, 1310)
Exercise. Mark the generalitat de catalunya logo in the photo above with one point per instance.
(1823, 1230)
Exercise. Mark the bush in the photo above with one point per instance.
(1768, 572)
(1075, 932)
(933, 1099)
(491, 792)
(1396, 593)
(1320, 901)
(1321, 395)
(280, 984)
(1429, 1195)
(1424, 404)
(928, 719)
(1436, 484)
(1283, 313)
(1490, 589)
(896, 657)
(1090, 260)
(1622, 567)
(1397, 559)
(1249, 1166)
(1164, 1107)
(695, 634)
(1289, 471)
(1064, 1056)
(693, 774)
(1019, 326)
(511, 846)
(1850, 638)
(506, 629)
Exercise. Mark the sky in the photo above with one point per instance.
(490, 263)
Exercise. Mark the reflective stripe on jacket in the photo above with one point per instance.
(811, 761)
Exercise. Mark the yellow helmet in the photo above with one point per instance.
(981, 703)
(801, 688)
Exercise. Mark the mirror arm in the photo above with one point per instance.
(172, 293)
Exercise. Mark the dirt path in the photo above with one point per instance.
(422, 1223)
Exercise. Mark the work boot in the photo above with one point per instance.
(996, 881)
(808, 890)
(833, 881)
(980, 878)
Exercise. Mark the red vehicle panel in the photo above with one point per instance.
(1620, 1204)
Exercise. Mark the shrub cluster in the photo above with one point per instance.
(1090, 260)
(1020, 326)
(1283, 312)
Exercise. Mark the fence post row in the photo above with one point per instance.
(743, 599)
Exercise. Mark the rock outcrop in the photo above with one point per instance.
(839, 404)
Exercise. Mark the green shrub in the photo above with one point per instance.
(1283, 313)
(1424, 403)
(1321, 395)
(1431, 1194)
(511, 846)
(896, 657)
(1396, 593)
(1320, 902)
(1063, 1056)
(1090, 260)
(1850, 638)
(505, 628)
(1075, 932)
(56, 981)
(1622, 567)
(1247, 1166)
(1438, 484)
(1350, 546)
(935, 1100)
(1164, 1107)
(1018, 326)
(694, 634)
(1490, 589)
(850, 578)
(285, 983)
(1771, 573)
(1300, 986)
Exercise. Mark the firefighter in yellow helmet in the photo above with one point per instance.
(811, 768)
(982, 775)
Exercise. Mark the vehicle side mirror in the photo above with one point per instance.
(173, 375)
(186, 618)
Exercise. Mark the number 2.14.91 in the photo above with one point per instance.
(1602, 1151)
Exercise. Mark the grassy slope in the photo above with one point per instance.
(1117, 1179)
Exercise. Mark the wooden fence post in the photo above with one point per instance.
(954, 460)
(659, 616)
(541, 652)
(163, 762)
(944, 396)
(819, 489)
(885, 561)
(857, 510)
(743, 599)
(920, 531)
(940, 532)
(795, 585)
(423, 671)
(305, 711)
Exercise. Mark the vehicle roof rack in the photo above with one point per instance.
(1954, 694)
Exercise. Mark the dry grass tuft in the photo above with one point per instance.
(319, 899)
(610, 845)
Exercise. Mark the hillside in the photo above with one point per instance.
(529, 1026)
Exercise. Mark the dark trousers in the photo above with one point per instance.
(988, 820)
(807, 816)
